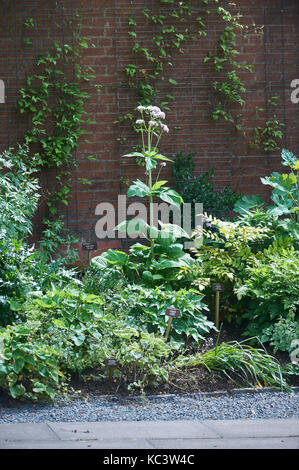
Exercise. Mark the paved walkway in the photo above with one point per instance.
(231, 434)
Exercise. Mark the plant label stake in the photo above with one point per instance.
(89, 246)
(112, 364)
(217, 287)
(172, 313)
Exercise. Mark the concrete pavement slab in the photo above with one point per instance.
(255, 428)
(26, 431)
(231, 434)
(88, 444)
(132, 429)
(233, 443)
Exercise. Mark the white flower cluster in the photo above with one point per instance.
(155, 113)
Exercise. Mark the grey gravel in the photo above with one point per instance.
(214, 406)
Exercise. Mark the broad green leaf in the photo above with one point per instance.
(134, 154)
(158, 185)
(138, 188)
(246, 203)
(169, 263)
(281, 182)
(39, 387)
(110, 257)
(3, 370)
(60, 323)
(162, 157)
(78, 339)
(46, 303)
(16, 390)
(170, 196)
(283, 205)
(18, 365)
(117, 257)
(22, 331)
(133, 226)
(15, 305)
(174, 230)
(150, 163)
(148, 276)
(99, 262)
(288, 158)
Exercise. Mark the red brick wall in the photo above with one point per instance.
(274, 55)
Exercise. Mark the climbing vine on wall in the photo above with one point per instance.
(177, 25)
(54, 98)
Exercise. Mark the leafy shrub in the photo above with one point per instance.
(281, 335)
(23, 271)
(18, 194)
(226, 250)
(16, 279)
(271, 287)
(282, 217)
(146, 308)
(103, 281)
(29, 367)
(199, 189)
(223, 256)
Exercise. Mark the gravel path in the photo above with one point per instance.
(214, 406)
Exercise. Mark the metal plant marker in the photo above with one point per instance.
(217, 287)
(89, 246)
(172, 313)
(112, 364)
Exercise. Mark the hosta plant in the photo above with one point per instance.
(146, 308)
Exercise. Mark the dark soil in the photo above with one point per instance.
(190, 380)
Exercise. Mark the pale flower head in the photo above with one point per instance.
(158, 114)
(140, 121)
(164, 127)
(141, 108)
(153, 123)
(153, 109)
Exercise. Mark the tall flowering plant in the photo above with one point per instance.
(160, 262)
(151, 126)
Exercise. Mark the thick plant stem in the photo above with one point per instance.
(151, 212)
(151, 208)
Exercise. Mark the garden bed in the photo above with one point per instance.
(181, 381)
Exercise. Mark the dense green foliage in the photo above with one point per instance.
(272, 284)
(18, 194)
(56, 324)
(199, 189)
